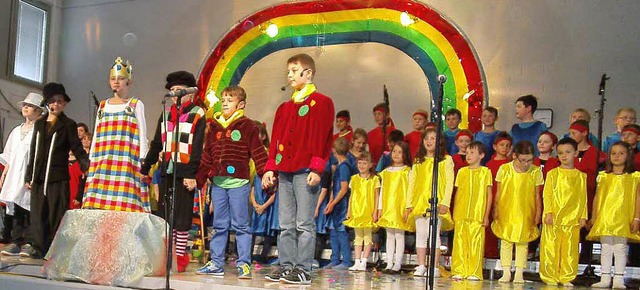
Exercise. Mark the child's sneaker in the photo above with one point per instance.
(355, 266)
(27, 251)
(210, 269)
(11, 250)
(244, 272)
(421, 271)
(297, 276)
(277, 274)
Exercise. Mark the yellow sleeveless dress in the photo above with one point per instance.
(516, 204)
(393, 196)
(362, 202)
(616, 203)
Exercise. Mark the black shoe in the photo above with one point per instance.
(297, 276)
(277, 274)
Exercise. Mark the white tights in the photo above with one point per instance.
(395, 246)
(613, 246)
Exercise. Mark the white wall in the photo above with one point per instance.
(15, 91)
(556, 50)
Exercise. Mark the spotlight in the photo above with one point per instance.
(406, 19)
(272, 30)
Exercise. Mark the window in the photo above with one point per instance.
(29, 41)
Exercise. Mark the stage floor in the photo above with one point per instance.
(24, 274)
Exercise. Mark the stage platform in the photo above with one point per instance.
(25, 274)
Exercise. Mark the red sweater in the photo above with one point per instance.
(374, 139)
(494, 165)
(458, 162)
(551, 163)
(302, 135)
(413, 139)
(227, 150)
(348, 135)
(588, 165)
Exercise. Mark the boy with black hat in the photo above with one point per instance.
(47, 174)
(192, 126)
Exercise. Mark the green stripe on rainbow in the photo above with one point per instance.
(246, 44)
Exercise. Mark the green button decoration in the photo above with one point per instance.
(278, 158)
(235, 135)
(303, 110)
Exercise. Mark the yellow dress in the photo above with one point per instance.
(565, 197)
(516, 204)
(420, 179)
(468, 216)
(362, 201)
(393, 196)
(616, 203)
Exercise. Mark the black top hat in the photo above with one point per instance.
(180, 78)
(52, 89)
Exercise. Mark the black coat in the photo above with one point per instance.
(66, 139)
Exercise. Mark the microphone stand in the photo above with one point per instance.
(385, 100)
(95, 106)
(433, 201)
(589, 271)
(169, 204)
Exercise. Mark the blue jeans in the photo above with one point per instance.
(297, 206)
(231, 210)
(340, 246)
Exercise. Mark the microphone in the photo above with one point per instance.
(283, 88)
(95, 100)
(181, 92)
(442, 79)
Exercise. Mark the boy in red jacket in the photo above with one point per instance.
(299, 150)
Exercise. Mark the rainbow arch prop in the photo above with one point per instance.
(432, 41)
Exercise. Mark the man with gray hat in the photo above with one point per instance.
(13, 192)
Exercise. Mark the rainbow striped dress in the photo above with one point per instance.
(114, 179)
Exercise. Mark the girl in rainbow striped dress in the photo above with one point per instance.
(114, 181)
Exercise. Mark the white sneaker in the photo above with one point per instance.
(473, 278)
(396, 267)
(498, 266)
(436, 272)
(355, 266)
(421, 271)
(362, 266)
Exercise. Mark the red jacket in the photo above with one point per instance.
(227, 150)
(302, 135)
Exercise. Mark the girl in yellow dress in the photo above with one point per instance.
(418, 207)
(361, 214)
(517, 209)
(393, 196)
(615, 217)
(471, 215)
(564, 201)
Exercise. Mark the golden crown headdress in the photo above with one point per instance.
(121, 69)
